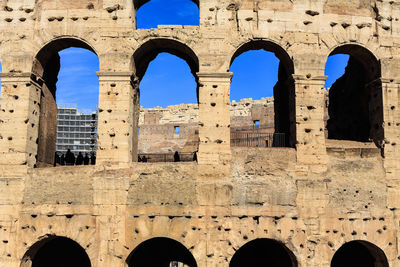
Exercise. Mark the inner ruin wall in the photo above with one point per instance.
(313, 197)
(157, 125)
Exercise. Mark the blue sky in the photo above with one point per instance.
(78, 82)
(255, 74)
(172, 12)
(168, 80)
(335, 67)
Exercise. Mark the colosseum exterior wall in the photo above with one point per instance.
(313, 197)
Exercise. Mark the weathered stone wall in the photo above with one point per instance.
(109, 212)
(313, 198)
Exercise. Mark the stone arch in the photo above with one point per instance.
(160, 251)
(264, 252)
(357, 93)
(267, 45)
(52, 47)
(139, 3)
(359, 253)
(55, 251)
(361, 52)
(284, 90)
(45, 69)
(149, 50)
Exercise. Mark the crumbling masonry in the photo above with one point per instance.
(311, 204)
(156, 125)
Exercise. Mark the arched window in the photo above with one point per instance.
(263, 72)
(161, 251)
(355, 111)
(168, 119)
(56, 251)
(150, 14)
(359, 254)
(65, 70)
(263, 252)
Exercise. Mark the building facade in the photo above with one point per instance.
(76, 131)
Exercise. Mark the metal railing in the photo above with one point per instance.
(257, 139)
(167, 157)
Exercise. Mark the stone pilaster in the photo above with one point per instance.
(310, 126)
(117, 141)
(214, 118)
(19, 123)
(391, 122)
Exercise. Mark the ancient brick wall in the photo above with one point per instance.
(309, 203)
(157, 125)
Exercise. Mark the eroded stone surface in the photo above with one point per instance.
(313, 197)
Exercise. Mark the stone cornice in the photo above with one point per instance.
(215, 76)
(16, 75)
(115, 76)
(298, 77)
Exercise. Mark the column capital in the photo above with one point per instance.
(215, 75)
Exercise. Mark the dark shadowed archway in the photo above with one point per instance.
(160, 252)
(355, 106)
(359, 254)
(263, 252)
(283, 91)
(56, 251)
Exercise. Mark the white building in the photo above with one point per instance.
(76, 131)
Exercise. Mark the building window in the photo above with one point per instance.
(177, 130)
(256, 124)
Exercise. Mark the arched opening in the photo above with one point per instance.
(56, 251)
(161, 252)
(150, 14)
(354, 101)
(359, 254)
(263, 252)
(268, 119)
(65, 70)
(168, 117)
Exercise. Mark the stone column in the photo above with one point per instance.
(19, 123)
(214, 118)
(310, 126)
(117, 138)
(391, 122)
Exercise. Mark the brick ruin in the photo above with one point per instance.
(327, 195)
(157, 125)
